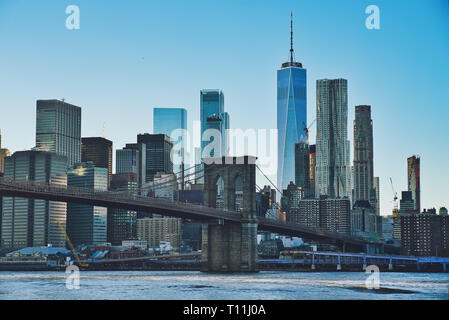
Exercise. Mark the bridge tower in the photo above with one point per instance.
(229, 183)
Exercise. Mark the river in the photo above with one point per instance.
(193, 285)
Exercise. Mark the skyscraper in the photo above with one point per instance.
(302, 167)
(212, 103)
(99, 151)
(33, 222)
(312, 166)
(87, 224)
(291, 114)
(413, 179)
(3, 154)
(332, 144)
(154, 156)
(363, 155)
(122, 223)
(166, 121)
(126, 159)
(58, 129)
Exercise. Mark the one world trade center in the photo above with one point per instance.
(291, 115)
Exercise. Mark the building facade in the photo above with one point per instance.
(173, 123)
(424, 234)
(58, 129)
(332, 144)
(3, 154)
(291, 115)
(302, 167)
(87, 225)
(99, 151)
(155, 230)
(122, 224)
(413, 180)
(154, 156)
(126, 159)
(212, 103)
(363, 178)
(33, 222)
(312, 167)
(325, 213)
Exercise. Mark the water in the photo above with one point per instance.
(180, 285)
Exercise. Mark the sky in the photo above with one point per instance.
(131, 56)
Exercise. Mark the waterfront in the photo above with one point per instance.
(180, 285)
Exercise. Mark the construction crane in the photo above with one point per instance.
(395, 195)
(306, 129)
(67, 239)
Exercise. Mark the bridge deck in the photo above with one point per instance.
(129, 201)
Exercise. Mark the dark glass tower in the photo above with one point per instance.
(363, 156)
(154, 150)
(99, 151)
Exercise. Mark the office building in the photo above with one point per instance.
(291, 114)
(363, 177)
(126, 159)
(3, 154)
(155, 230)
(212, 103)
(443, 211)
(413, 179)
(122, 223)
(86, 224)
(387, 227)
(163, 186)
(166, 121)
(58, 129)
(364, 220)
(407, 203)
(377, 193)
(154, 156)
(424, 234)
(312, 166)
(302, 167)
(33, 222)
(99, 152)
(332, 176)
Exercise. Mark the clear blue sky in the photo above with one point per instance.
(131, 56)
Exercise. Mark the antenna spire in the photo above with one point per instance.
(291, 36)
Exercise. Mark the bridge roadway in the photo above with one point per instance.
(129, 201)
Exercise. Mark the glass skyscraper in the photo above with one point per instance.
(99, 151)
(332, 145)
(154, 156)
(58, 129)
(166, 121)
(126, 159)
(291, 115)
(212, 104)
(87, 224)
(33, 222)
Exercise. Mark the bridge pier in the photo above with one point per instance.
(230, 246)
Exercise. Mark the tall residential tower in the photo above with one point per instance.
(332, 144)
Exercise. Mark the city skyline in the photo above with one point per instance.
(389, 159)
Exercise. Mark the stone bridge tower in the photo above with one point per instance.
(229, 183)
